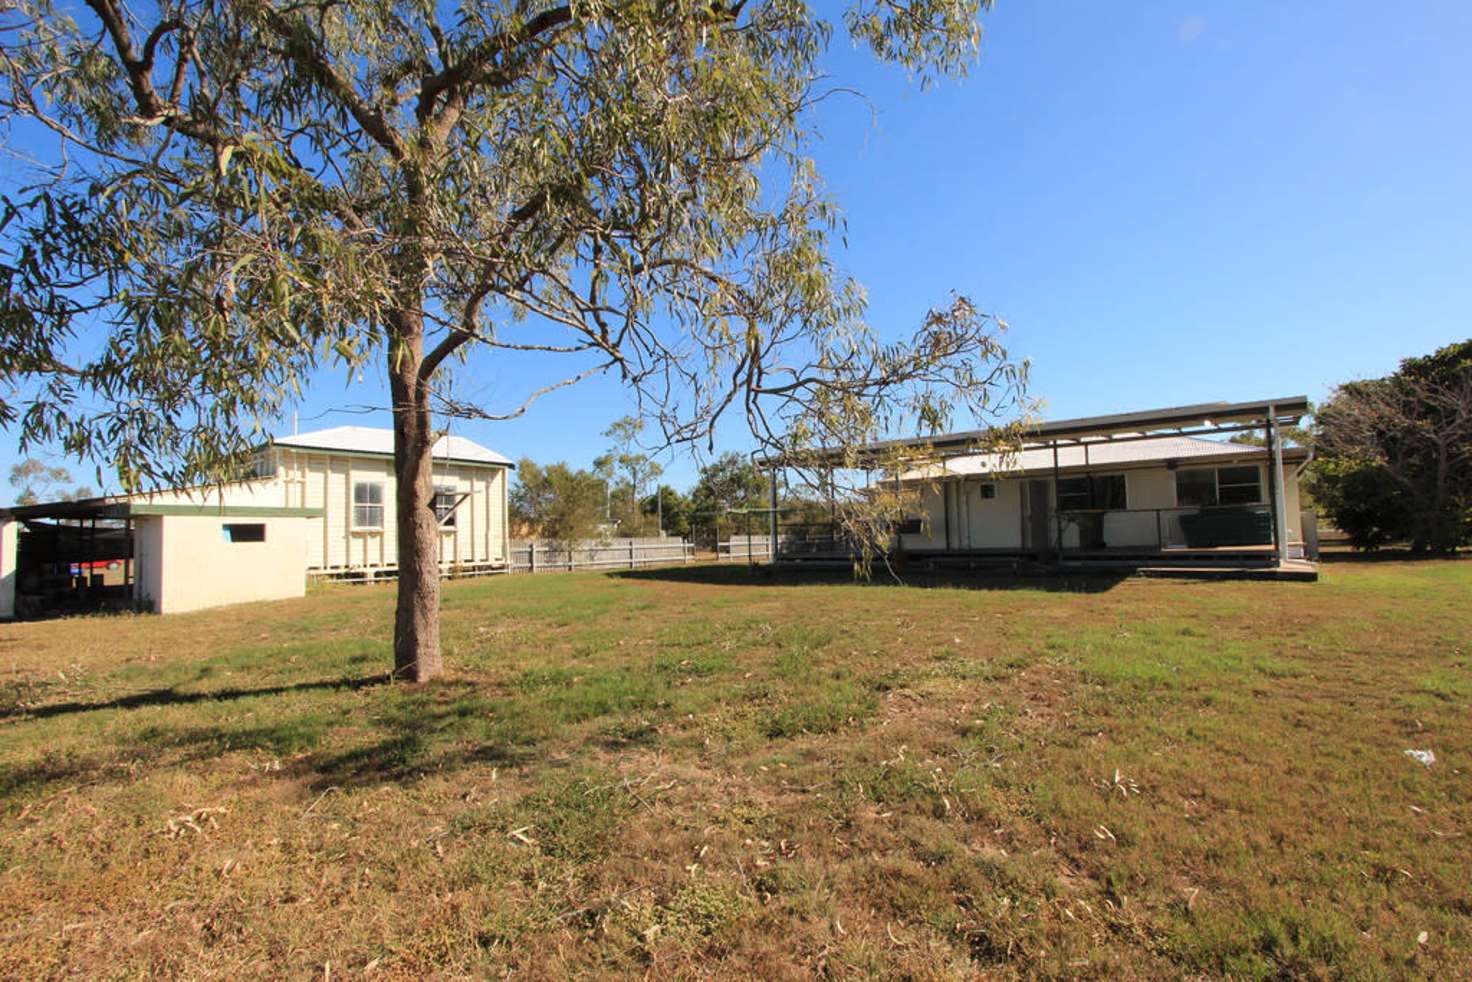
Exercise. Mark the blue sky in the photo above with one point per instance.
(1168, 202)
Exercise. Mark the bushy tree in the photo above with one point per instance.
(245, 191)
(557, 503)
(1395, 454)
(669, 509)
(730, 481)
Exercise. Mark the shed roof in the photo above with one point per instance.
(1101, 453)
(380, 442)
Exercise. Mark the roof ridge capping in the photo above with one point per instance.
(379, 441)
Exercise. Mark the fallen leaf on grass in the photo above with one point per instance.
(196, 821)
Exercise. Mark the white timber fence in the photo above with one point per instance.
(540, 556)
(743, 549)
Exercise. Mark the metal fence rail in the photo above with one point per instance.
(537, 556)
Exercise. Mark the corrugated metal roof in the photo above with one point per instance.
(368, 439)
(1101, 453)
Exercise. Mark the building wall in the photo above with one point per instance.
(325, 480)
(9, 539)
(997, 523)
(186, 562)
(992, 523)
(148, 560)
(974, 521)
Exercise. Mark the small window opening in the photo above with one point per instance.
(245, 532)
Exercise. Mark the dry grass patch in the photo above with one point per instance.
(701, 773)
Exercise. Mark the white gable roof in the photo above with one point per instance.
(1101, 453)
(368, 439)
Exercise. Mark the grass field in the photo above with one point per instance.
(703, 773)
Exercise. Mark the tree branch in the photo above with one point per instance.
(475, 60)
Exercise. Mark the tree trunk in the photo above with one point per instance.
(417, 619)
(1446, 520)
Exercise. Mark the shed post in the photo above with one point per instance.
(1280, 512)
(128, 559)
(772, 515)
(1057, 512)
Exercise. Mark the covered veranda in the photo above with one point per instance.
(1057, 455)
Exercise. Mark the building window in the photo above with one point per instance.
(258, 467)
(367, 505)
(1196, 486)
(1092, 492)
(910, 526)
(445, 498)
(1204, 486)
(244, 532)
(988, 490)
(1238, 486)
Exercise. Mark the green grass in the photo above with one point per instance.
(707, 773)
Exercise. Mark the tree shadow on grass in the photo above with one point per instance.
(443, 726)
(742, 574)
(411, 732)
(172, 697)
(1392, 555)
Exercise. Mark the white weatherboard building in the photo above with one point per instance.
(1145, 495)
(1148, 489)
(319, 503)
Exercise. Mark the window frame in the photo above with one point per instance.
(1256, 485)
(1093, 483)
(239, 533)
(451, 492)
(362, 526)
(1217, 485)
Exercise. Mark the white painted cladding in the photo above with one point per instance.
(317, 479)
(324, 479)
(956, 513)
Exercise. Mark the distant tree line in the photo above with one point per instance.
(621, 495)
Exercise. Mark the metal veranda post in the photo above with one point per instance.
(1280, 501)
(1057, 512)
(772, 517)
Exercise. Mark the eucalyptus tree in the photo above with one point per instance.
(244, 192)
(628, 470)
(36, 481)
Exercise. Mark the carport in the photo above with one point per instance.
(66, 557)
(121, 553)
